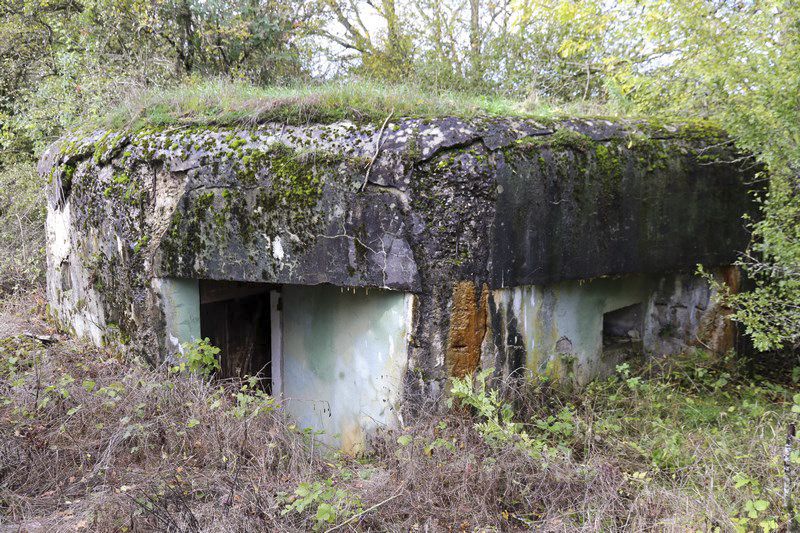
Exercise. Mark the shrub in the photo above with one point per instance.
(22, 215)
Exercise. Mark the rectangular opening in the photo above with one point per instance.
(622, 332)
(237, 318)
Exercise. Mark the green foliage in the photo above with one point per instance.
(17, 356)
(201, 357)
(542, 437)
(770, 312)
(328, 502)
(251, 400)
(752, 511)
(496, 422)
(668, 418)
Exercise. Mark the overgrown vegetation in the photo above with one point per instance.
(91, 441)
(219, 101)
(770, 311)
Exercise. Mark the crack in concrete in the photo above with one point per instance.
(394, 191)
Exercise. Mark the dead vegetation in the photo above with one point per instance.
(92, 442)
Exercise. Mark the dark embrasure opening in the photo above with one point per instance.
(235, 316)
(622, 331)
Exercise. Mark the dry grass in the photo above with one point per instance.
(91, 442)
(97, 442)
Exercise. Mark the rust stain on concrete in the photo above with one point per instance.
(352, 438)
(467, 328)
(717, 331)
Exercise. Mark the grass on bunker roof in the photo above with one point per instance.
(223, 102)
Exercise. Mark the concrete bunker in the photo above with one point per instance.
(357, 284)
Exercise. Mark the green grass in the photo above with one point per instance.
(223, 102)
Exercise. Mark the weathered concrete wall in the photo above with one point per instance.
(532, 320)
(72, 301)
(344, 359)
(610, 208)
(180, 300)
(557, 329)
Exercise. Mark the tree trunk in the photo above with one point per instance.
(186, 44)
(475, 41)
(394, 47)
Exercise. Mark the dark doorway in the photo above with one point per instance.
(622, 332)
(235, 316)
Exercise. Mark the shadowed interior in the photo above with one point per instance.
(235, 316)
(622, 331)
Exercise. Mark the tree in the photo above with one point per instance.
(740, 61)
(368, 38)
(564, 47)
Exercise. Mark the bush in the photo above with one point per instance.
(22, 238)
(770, 312)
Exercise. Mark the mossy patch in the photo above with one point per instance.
(275, 194)
(294, 180)
(108, 145)
(68, 171)
(561, 138)
(693, 130)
